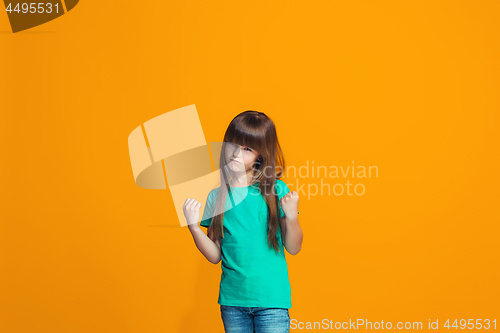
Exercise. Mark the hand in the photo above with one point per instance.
(290, 204)
(191, 210)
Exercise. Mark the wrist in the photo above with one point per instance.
(292, 217)
(194, 227)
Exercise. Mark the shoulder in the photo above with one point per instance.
(279, 183)
(281, 186)
(213, 194)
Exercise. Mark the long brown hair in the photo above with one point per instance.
(257, 131)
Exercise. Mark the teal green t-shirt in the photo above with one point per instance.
(253, 274)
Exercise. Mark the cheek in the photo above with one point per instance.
(249, 158)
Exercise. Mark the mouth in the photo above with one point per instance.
(234, 161)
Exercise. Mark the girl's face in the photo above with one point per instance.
(240, 159)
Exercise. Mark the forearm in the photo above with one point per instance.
(293, 235)
(206, 246)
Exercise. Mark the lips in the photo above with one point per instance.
(234, 161)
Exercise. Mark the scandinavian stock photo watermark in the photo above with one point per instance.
(455, 323)
(312, 180)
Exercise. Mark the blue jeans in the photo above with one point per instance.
(238, 319)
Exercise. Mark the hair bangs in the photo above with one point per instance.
(247, 133)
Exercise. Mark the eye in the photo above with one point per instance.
(248, 149)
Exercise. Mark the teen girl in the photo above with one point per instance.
(251, 218)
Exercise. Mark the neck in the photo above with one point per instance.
(241, 181)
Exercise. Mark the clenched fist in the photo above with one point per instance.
(290, 204)
(191, 210)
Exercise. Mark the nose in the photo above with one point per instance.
(236, 151)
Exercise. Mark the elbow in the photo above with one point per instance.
(215, 260)
(294, 252)
(295, 248)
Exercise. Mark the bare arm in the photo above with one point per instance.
(291, 234)
(291, 230)
(204, 243)
(209, 248)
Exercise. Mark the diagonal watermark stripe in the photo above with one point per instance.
(170, 150)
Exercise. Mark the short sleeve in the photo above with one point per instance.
(282, 190)
(208, 211)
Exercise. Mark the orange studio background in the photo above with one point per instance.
(409, 87)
